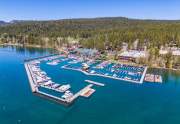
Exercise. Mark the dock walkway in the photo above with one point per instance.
(79, 93)
(31, 81)
(143, 75)
(34, 89)
(52, 98)
(96, 83)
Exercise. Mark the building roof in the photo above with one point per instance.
(87, 51)
(133, 54)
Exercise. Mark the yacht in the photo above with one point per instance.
(67, 95)
(63, 88)
(92, 72)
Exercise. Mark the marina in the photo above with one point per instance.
(89, 62)
(123, 72)
(39, 79)
(125, 99)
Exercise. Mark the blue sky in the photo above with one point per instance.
(60, 9)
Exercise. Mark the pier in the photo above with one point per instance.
(79, 93)
(153, 78)
(38, 78)
(34, 89)
(40, 58)
(96, 83)
(143, 75)
(31, 82)
(52, 98)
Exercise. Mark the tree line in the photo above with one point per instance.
(97, 33)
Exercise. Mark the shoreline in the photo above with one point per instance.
(38, 46)
(25, 45)
(171, 69)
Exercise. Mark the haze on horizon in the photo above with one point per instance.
(66, 9)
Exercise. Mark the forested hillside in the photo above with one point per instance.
(96, 32)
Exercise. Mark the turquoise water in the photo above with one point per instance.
(118, 102)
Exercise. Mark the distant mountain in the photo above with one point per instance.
(105, 21)
(96, 31)
(17, 21)
(2, 23)
(90, 27)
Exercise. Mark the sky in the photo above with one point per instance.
(66, 9)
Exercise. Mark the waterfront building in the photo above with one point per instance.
(132, 55)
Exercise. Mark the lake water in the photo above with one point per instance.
(118, 102)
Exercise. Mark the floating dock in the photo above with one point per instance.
(143, 75)
(88, 93)
(79, 93)
(96, 83)
(34, 88)
(40, 58)
(153, 78)
(85, 92)
(52, 98)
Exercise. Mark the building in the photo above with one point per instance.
(132, 55)
(174, 50)
(87, 52)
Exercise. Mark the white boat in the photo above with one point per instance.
(63, 88)
(39, 80)
(92, 72)
(112, 70)
(127, 78)
(48, 83)
(52, 63)
(42, 72)
(47, 78)
(68, 91)
(55, 86)
(67, 95)
(73, 62)
(85, 65)
(114, 75)
(131, 73)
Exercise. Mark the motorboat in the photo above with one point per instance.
(63, 88)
